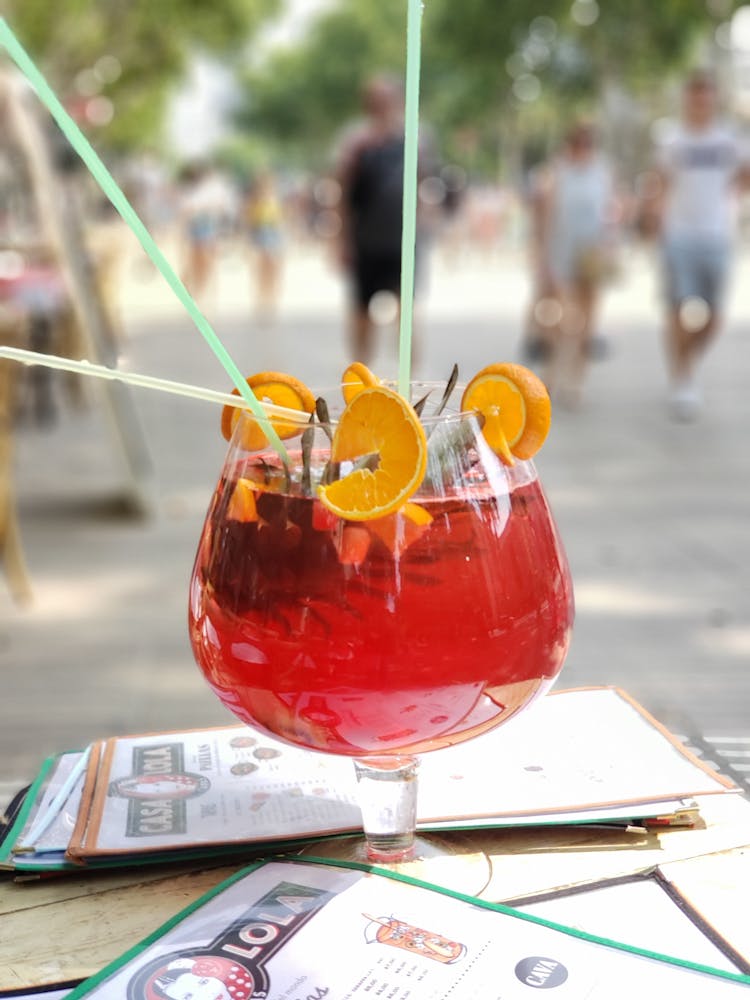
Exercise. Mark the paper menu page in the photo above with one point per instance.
(290, 930)
(639, 912)
(218, 786)
(573, 753)
(668, 812)
(572, 749)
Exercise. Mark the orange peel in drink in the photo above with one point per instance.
(355, 378)
(400, 530)
(242, 505)
(377, 422)
(353, 544)
(279, 389)
(516, 408)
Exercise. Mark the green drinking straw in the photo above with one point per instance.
(112, 190)
(409, 224)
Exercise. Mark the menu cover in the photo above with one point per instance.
(41, 993)
(646, 910)
(289, 929)
(587, 755)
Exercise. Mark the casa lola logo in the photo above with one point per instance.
(233, 965)
(190, 977)
(160, 786)
(156, 789)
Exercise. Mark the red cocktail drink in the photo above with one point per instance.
(385, 636)
(391, 585)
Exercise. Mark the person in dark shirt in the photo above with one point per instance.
(370, 171)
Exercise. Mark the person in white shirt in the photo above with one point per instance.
(207, 205)
(701, 164)
(574, 214)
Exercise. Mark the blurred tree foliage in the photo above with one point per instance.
(151, 41)
(299, 96)
(494, 74)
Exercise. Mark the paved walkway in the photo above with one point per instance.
(654, 514)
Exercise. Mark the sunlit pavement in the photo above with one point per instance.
(654, 514)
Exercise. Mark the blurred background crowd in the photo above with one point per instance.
(249, 134)
(236, 128)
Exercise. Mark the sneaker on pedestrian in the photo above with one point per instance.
(685, 401)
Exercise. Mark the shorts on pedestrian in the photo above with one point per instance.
(375, 273)
(696, 269)
(266, 239)
(203, 229)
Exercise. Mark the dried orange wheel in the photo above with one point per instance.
(381, 426)
(270, 387)
(516, 408)
(356, 377)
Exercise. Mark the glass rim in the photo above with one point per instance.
(303, 419)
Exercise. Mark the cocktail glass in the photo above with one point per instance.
(383, 639)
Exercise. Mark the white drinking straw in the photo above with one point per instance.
(148, 382)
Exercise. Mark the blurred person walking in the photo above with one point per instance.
(700, 163)
(370, 171)
(206, 205)
(146, 181)
(573, 235)
(264, 220)
(544, 312)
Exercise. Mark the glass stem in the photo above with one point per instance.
(388, 799)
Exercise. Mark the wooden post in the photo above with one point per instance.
(61, 231)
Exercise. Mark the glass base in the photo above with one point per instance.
(388, 798)
(448, 861)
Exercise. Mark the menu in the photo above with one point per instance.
(644, 910)
(581, 756)
(306, 930)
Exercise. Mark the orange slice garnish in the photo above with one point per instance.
(516, 408)
(242, 505)
(377, 422)
(270, 387)
(356, 378)
(400, 530)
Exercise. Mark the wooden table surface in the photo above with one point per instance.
(65, 928)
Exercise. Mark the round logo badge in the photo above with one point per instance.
(183, 978)
(541, 973)
(182, 785)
